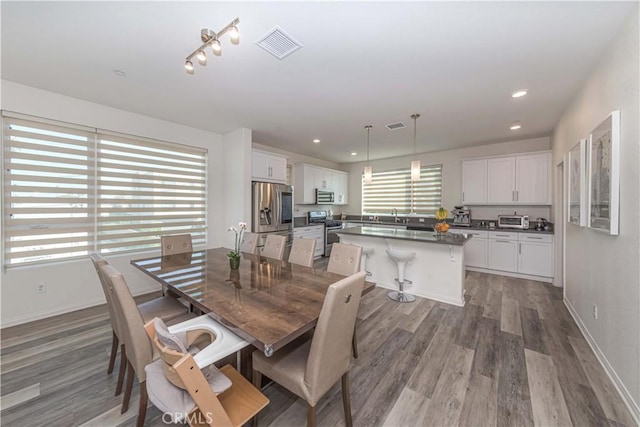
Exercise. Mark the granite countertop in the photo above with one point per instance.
(414, 224)
(411, 235)
(506, 230)
(307, 225)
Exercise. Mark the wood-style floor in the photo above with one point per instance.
(513, 356)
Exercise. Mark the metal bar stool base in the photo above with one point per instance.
(401, 296)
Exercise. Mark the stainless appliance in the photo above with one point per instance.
(542, 224)
(461, 216)
(330, 228)
(513, 221)
(272, 211)
(324, 197)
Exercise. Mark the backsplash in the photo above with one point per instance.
(492, 212)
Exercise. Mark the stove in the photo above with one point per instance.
(330, 227)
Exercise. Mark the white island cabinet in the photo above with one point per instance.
(437, 271)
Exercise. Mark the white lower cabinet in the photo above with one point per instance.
(476, 249)
(503, 255)
(535, 255)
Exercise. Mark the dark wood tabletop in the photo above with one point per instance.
(266, 301)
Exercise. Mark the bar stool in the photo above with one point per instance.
(365, 256)
(401, 258)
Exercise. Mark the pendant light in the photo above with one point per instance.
(415, 164)
(368, 172)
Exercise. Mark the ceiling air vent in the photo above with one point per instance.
(394, 126)
(278, 43)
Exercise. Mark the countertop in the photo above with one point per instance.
(428, 226)
(506, 230)
(412, 235)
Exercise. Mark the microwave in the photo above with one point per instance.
(520, 222)
(324, 197)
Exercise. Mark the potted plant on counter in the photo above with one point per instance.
(441, 226)
(234, 255)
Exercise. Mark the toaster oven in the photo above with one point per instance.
(520, 222)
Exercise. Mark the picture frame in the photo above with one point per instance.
(577, 194)
(604, 176)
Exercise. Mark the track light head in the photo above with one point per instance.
(202, 57)
(234, 35)
(188, 65)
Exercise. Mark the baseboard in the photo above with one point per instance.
(19, 320)
(509, 274)
(632, 405)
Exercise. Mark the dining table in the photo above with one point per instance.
(267, 302)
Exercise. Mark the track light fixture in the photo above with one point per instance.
(212, 39)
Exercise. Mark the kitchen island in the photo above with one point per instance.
(437, 271)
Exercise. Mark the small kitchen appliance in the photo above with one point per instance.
(461, 216)
(520, 222)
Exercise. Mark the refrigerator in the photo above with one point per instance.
(272, 212)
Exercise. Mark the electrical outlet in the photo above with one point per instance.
(420, 219)
(41, 288)
(595, 311)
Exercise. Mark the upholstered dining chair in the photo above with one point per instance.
(310, 367)
(177, 383)
(166, 308)
(274, 246)
(249, 243)
(302, 252)
(345, 260)
(176, 244)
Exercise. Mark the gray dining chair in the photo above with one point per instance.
(249, 243)
(302, 251)
(309, 367)
(274, 246)
(166, 308)
(176, 244)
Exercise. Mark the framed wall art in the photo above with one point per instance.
(604, 175)
(577, 197)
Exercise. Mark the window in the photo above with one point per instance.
(70, 191)
(394, 189)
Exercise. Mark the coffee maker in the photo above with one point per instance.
(461, 216)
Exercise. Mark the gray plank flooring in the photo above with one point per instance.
(511, 357)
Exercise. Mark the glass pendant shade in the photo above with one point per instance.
(415, 170)
(368, 175)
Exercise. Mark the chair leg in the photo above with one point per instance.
(257, 382)
(354, 344)
(122, 370)
(127, 389)
(346, 399)
(142, 408)
(114, 352)
(311, 416)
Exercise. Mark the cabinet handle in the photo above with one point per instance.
(520, 248)
(517, 195)
(513, 195)
(503, 241)
(502, 235)
(463, 196)
(532, 237)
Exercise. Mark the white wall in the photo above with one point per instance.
(237, 182)
(603, 269)
(451, 161)
(73, 285)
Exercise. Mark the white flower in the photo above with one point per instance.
(242, 225)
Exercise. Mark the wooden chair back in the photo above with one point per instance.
(176, 244)
(302, 252)
(345, 259)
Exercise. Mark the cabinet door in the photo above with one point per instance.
(474, 181)
(475, 252)
(535, 259)
(278, 168)
(503, 255)
(341, 185)
(259, 166)
(310, 184)
(533, 179)
(501, 175)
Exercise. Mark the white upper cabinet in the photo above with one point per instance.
(308, 178)
(474, 181)
(268, 167)
(501, 176)
(523, 179)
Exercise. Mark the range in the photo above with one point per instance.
(330, 227)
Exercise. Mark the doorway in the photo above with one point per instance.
(560, 217)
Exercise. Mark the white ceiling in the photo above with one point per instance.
(362, 63)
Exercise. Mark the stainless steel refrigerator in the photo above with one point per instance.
(272, 210)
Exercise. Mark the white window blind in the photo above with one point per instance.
(147, 189)
(48, 202)
(70, 191)
(394, 189)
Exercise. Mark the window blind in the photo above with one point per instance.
(394, 189)
(48, 200)
(147, 189)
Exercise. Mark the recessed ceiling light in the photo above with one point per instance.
(515, 126)
(519, 93)
(119, 73)
(353, 153)
(316, 141)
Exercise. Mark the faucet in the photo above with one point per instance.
(394, 212)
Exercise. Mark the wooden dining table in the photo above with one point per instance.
(267, 302)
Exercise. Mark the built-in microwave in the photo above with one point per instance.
(324, 197)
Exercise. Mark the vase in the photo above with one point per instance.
(234, 263)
